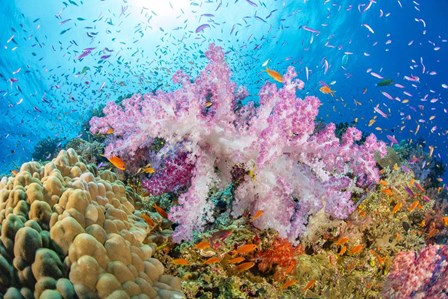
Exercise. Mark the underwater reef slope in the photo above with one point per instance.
(68, 231)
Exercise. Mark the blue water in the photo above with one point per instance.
(41, 43)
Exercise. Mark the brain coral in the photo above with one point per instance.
(68, 231)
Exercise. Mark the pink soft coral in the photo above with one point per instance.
(297, 172)
(423, 275)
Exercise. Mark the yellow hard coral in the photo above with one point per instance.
(61, 221)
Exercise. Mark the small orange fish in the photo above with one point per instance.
(203, 245)
(432, 232)
(274, 75)
(397, 207)
(110, 131)
(362, 213)
(327, 90)
(117, 162)
(180, 262)
(160, 211)
(357, 249)
(431, 150)
(387, 191)
(342, 251)
(380, 259)
(445, 220)
(236, 260)
(413, 206)
(245, 266)
(341, 241)
(411, 182)
(309, 285)
(384, 183)
(148, 220)
(257, 215)
(247, 248)
(208, 104)
(290, 268)
(289, 283)
(212, 260)
(14, 172)
(396, 167)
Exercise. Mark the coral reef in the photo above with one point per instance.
(46, 148)
(90, 151)
(68, 230)
(292, 173)
(338, 258)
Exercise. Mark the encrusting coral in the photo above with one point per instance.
(68, 231)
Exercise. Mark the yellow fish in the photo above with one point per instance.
(146, 169)
(274, 75)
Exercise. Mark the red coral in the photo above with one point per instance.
(281, 255)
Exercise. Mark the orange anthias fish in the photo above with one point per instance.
(341, 241)
(388, 191)
(384, 183)
(247, 248)
(203, 245)
(245, 266)
(379, 258)
(413, 206)
(445, 220)
(357, 249)
(397, 207)
(309, 285)
(148, 220)
(327, 90)
(343, 250)
(160, 211)
(236, 260)
(274, 75)
(110, 131)
(117, 162)
(212, 260)
(257, 215)
(289, 283)
(14, 172)
(181, 262)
